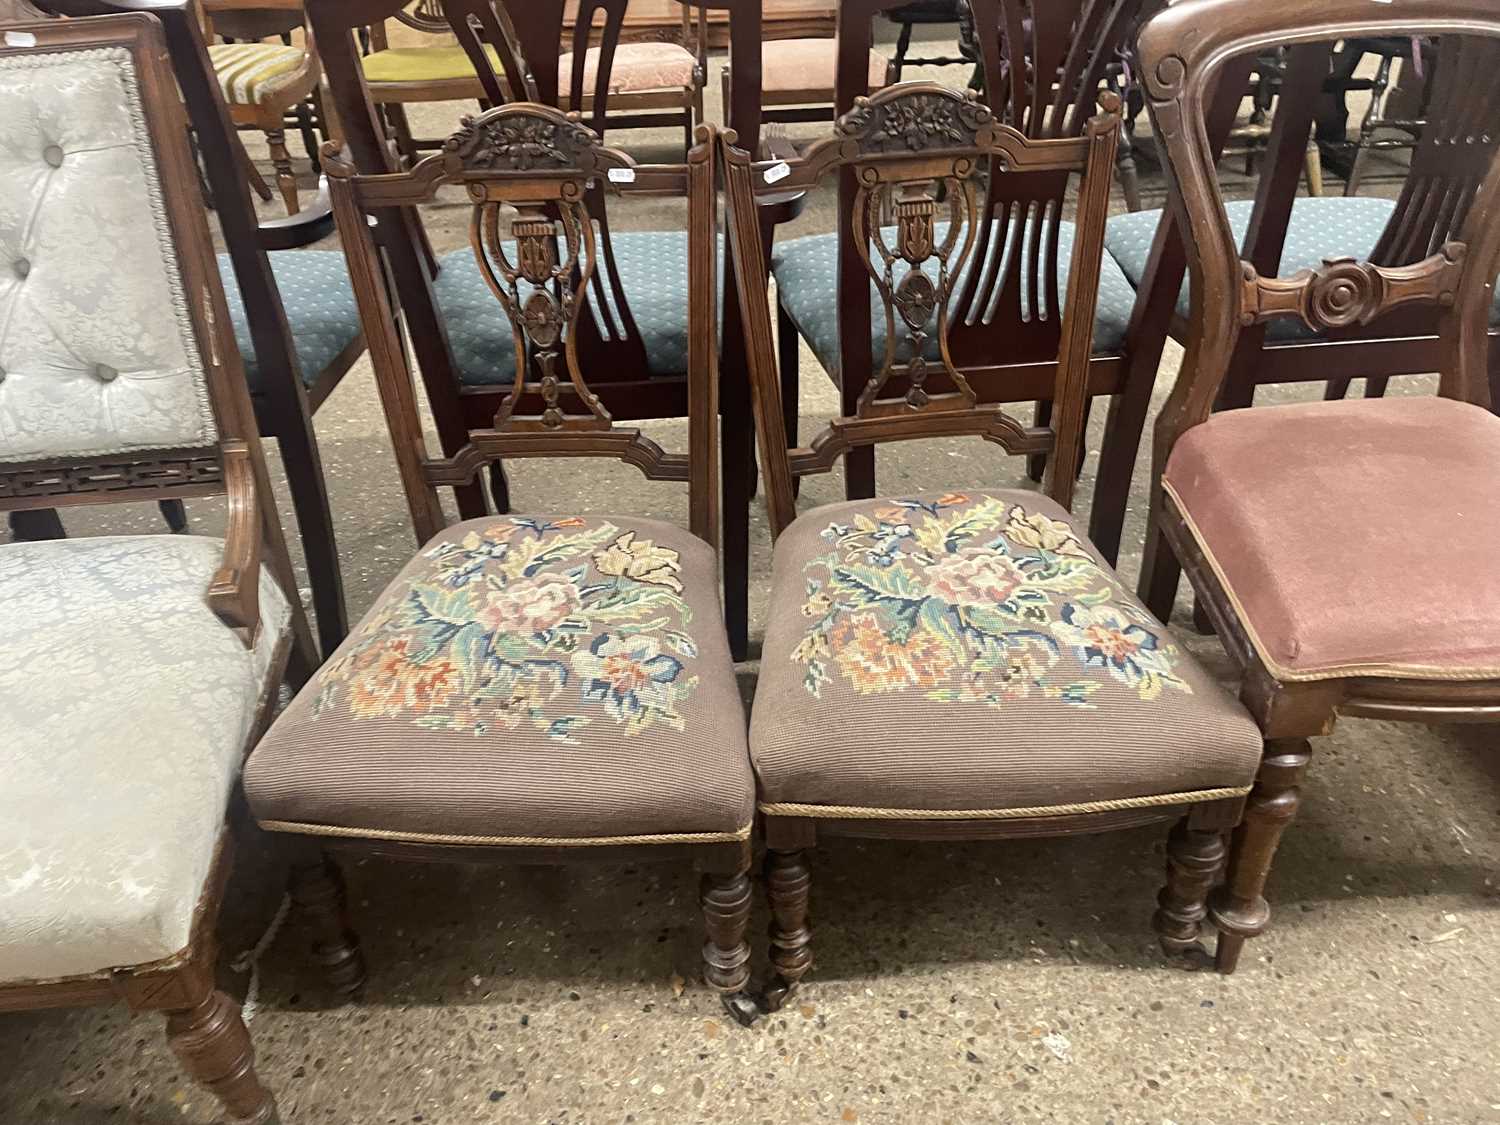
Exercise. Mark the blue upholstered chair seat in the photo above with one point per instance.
(1320, 227)
(806, 272)
(319, 303)
(653, 269)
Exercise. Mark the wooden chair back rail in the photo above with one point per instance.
(902, 171)
(543, 286)
(1179, 70)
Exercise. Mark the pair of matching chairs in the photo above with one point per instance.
(135, 671)
(556, 688)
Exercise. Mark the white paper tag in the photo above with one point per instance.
(20, 39)
(622, 175)
(779, 171)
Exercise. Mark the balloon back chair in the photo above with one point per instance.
(961, 664)
(138, 669)
(549, 688)
(1304, 560)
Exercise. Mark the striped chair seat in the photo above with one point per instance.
(252, 73)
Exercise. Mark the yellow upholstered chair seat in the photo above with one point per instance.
(423, 64)
(252, 73)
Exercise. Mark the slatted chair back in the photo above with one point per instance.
(1441, 251)
(119, 377)
(531, 172)
(929, 158)
(1008, 300)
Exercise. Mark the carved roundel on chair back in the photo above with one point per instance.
(98, 355)
(425, 15)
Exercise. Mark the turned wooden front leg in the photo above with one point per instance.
(1238, 908)
(788, 883)
(281, 160)
(318, 891)
(1194, 857)
(213, 1044)
(726, 953)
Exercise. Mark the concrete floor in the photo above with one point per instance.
(955, 983)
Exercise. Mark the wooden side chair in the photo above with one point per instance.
(1307, 562)
(295, 321)
(962, 664)
(1004, 325)
(633, 335)
(1281, 232)
(260, 83)
(535, 689)
(138, 669)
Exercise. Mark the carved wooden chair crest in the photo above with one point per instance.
(121, 383)
(959, 664)
(1005, 301)
(1293, 557)
(632, 333)
(582, 667)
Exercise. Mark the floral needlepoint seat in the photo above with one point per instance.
(971, 651)
(525, 679)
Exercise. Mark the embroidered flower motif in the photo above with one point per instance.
(966, 600)
(642, 560)
(634, 679)
(1104, 636)
(549, 624)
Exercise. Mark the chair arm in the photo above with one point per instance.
(234, 589)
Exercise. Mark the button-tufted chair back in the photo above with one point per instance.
(97, 343)
(119, 377)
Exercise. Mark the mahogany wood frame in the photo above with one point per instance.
(552, 409)
(203, 1024)
(618, 370)
(1378, 351)
(1076, 40)
(1182, 52)
(284, 402)
(895, 405)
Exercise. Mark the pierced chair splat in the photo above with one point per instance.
(978, 623)
(549, 688)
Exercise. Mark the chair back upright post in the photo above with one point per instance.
(539, 170)
(1442, 255)
(919, 151)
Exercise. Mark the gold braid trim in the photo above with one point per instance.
(507, 841)
(854, 812)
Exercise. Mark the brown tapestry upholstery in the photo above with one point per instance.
(1354, 537)
(524, 679)
(969, 651)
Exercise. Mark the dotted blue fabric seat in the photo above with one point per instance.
(319, 303)
(1320, 227)
(653, 269)
(806, 272)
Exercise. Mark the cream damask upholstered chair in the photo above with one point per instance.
(135, 671)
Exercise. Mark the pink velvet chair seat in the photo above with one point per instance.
(809, 64)
(1355, 538)
(636, 67)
